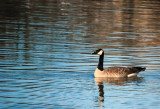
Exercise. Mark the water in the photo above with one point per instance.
(46, 46)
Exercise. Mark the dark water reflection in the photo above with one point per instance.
(45, 48)
(114, 81)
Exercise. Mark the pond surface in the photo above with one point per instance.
(46, 46)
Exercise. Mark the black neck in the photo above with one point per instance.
(100, 64)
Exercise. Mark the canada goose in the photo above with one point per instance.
(114, 71)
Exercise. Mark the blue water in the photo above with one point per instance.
(46, 61)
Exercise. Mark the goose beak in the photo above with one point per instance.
(94, 53)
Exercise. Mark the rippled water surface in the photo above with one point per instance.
(46, 46)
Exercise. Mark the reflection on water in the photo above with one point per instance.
(45, 48)
(117, 81)
(101, 93)
(100, 82)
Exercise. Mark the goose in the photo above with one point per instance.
(114, 71)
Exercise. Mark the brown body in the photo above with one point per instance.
(118, 72)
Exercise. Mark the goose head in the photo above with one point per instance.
(98, 52)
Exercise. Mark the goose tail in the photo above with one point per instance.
(140, 68)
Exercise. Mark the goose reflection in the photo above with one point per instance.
(114, 81)
(101, 92)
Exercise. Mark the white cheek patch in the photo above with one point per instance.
(100, 52)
